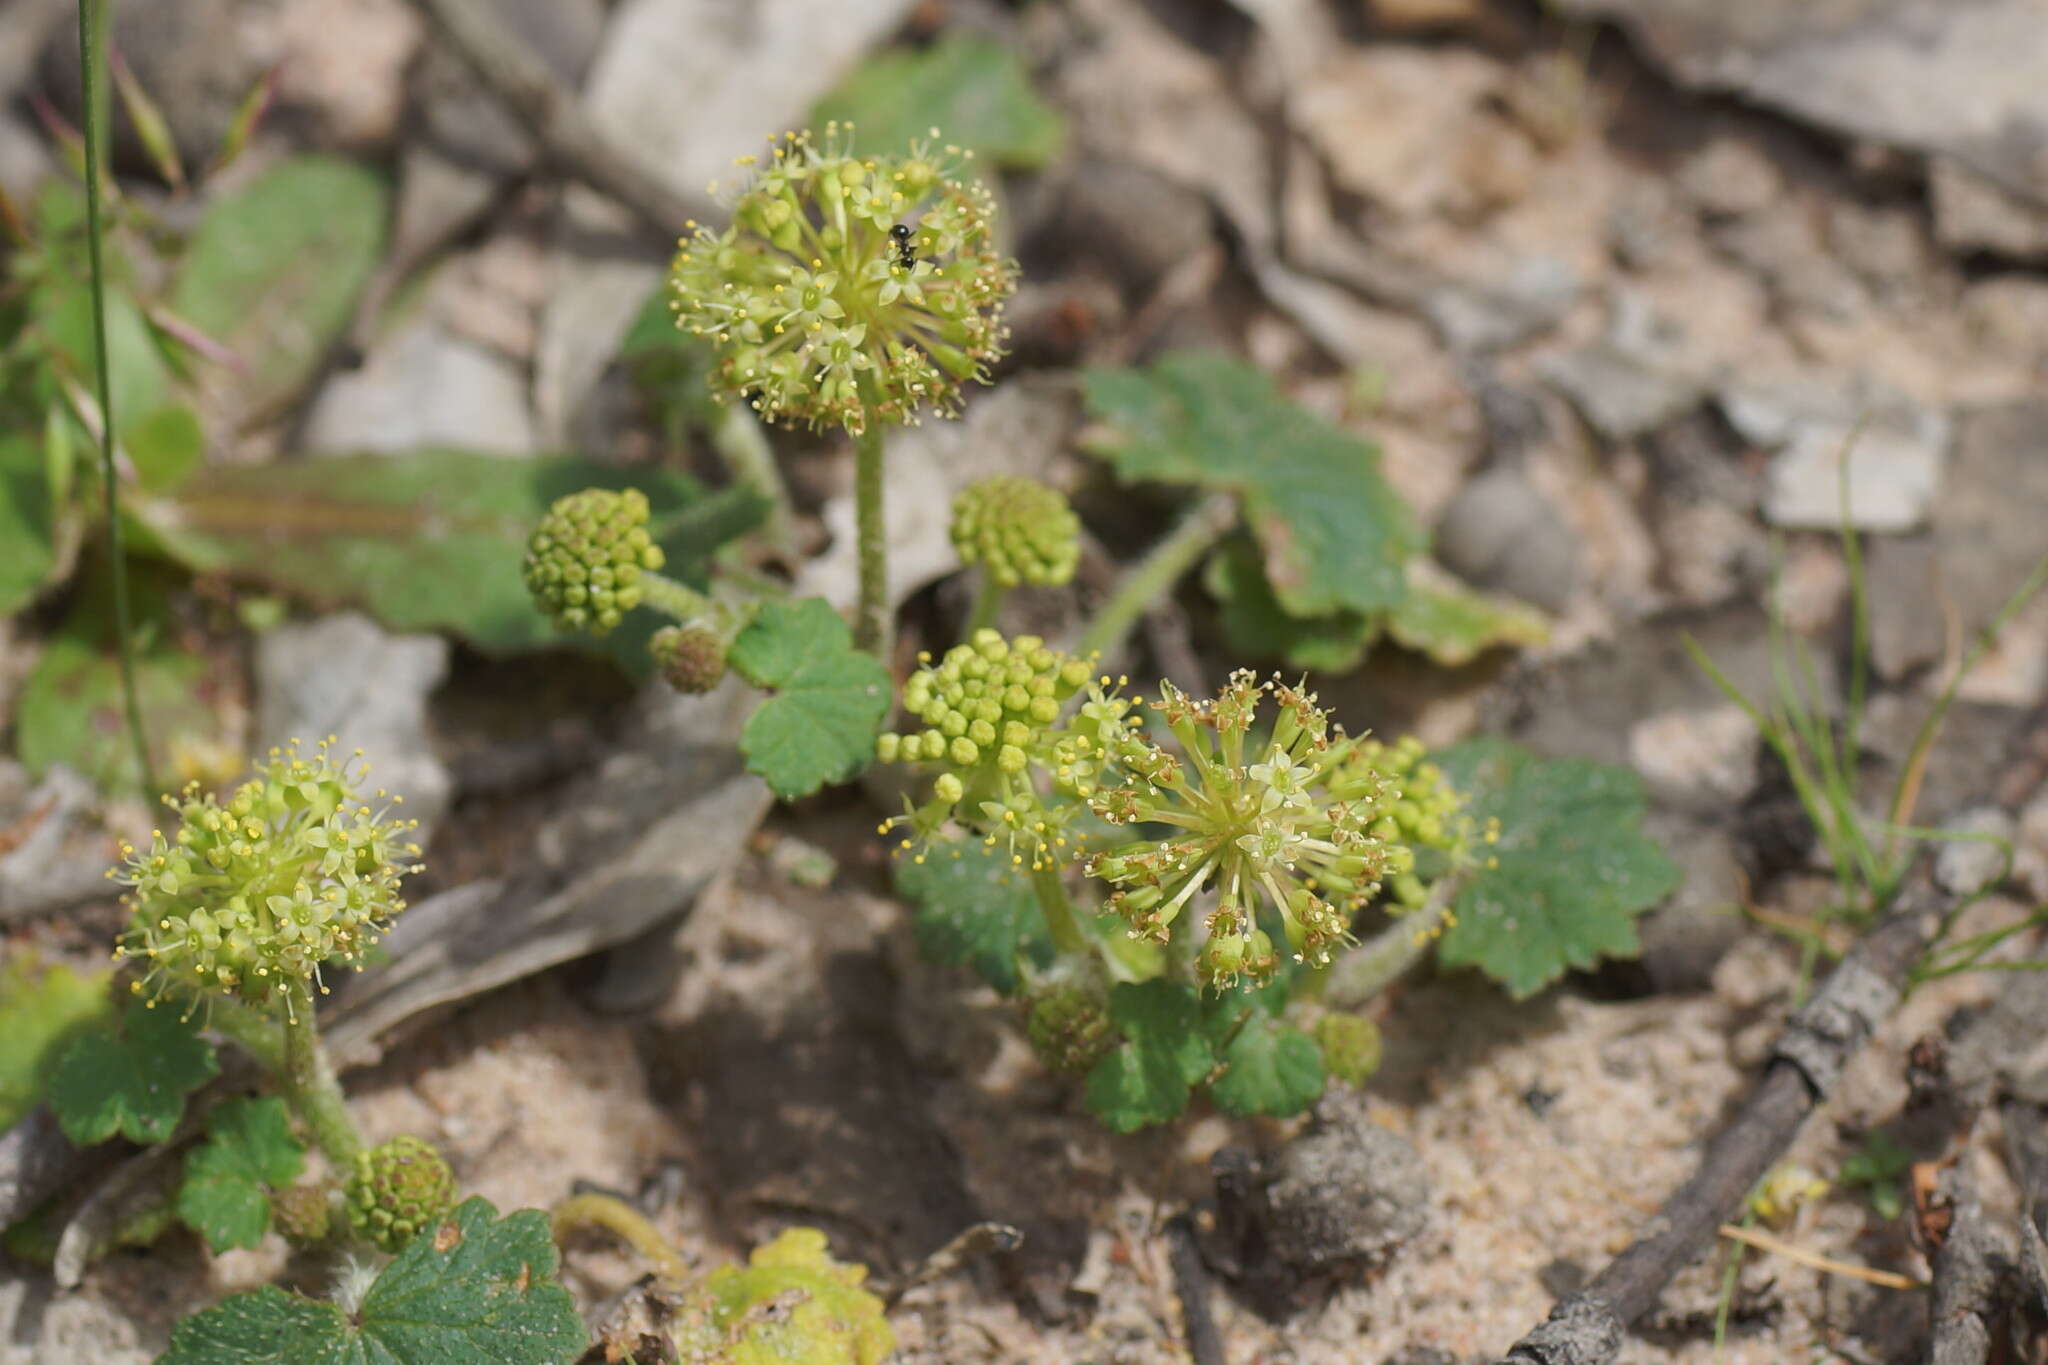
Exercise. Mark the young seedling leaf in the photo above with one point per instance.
(829, 703)
(974, 90)
(1453, 624)
(427, 541)
(1258, 627)
(249, 1151)
(274, 268)
(132, 1080)
(1164, 1055)
(1333, 534)
(972, 908)
(1267, 1067)
(480, 1291)
(1570, 874)
(43, 1006)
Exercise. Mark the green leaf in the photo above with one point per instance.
(973, 90)
(830, 697)
(70, 709)
(1164, 1055)
(1570, 874)
(249, 1151)
(1267, 1067)
(165, 445)
(26, 528)
(427, 541)
(42, 1008)
(132, 1080)
(972, 908)
(1334, 535)
(480, 1292)
(1258, 627)
(274, 269)
(1453, 624)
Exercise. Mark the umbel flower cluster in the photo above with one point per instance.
(291, 872)
(397, 1190)
(848, 290)
(1018, 530)
(1294, 821)
(989, 709)
(587, 559)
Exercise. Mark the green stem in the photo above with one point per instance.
(255, 1032)
(310, 1085)
(616, 1216)
(92, 41)
(1058, 910)
(671, 598)
(740, 441)
(871, 617)
(1387, 956)
(988, 600)
(1152, 577)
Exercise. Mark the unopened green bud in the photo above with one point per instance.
(303, 1213)
(398, 1190)
(1018, 530)
(691, 658)
(1069, 1028)
(584, 561)
(1350, 1045)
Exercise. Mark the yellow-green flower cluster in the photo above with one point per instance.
(585, 561)
(1018, 530)
(398, 1190)
(848, 290)
(1424, 812)
(291, 872)
(1281, 821)
(989, 709)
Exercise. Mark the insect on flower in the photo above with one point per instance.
(906, 251)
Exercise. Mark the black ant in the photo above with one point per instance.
(906, 251)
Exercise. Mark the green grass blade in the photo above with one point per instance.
(92, 50)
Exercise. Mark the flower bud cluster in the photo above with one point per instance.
(585, 560)
(989, 708)
(292, 871)
(1068, 1026)
(1276, 823)
(1018, 530)
(691, 658)
(398, 1190)
(1417, 811)
(1350, 1047)
(848, 290)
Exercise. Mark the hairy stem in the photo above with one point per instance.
(1058, 910)
(1387, 956)
(871, 618)
(1152, 577)
(254, 1031)
(743, 445)
(671, 598)
(618, 1217)
(92, 41)
(988, 600)
(310, 1085)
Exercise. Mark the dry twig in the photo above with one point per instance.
(1588, 1327)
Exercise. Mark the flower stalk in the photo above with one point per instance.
(1153, 577)
(871, 616)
